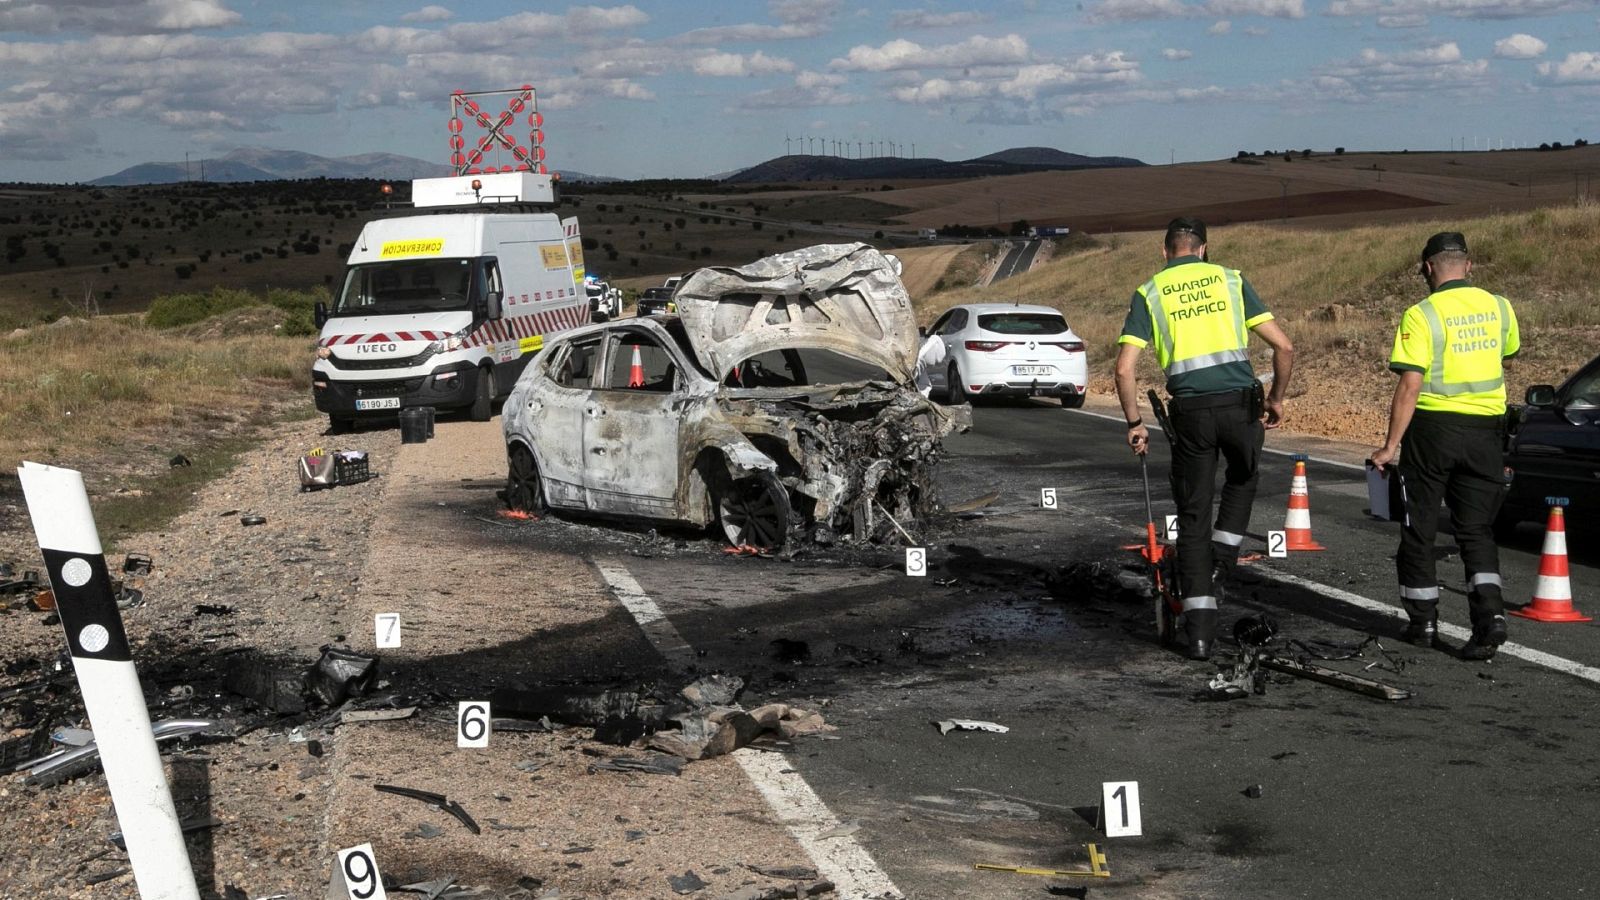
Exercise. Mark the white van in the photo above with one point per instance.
(445, 308)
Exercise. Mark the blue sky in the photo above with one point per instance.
(671, 88)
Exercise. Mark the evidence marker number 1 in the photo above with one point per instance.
(1119, 809)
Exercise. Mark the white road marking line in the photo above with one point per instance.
(1538, 657)
(841, 860)
(652, 621)
(1154, 427)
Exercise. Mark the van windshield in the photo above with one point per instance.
(409, 286)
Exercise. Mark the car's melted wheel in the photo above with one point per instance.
(524, 489)
(754, 512)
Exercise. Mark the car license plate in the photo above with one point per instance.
(1032, 370)
(379, 403)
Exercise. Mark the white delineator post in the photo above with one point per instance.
(76, 563)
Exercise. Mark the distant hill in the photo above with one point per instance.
(1050, 157)
(800, 167)
(262, 164)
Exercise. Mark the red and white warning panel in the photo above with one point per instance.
(489, 149)
(470, 190)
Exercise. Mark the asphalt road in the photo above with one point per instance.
(1486, 783)
(1018, 259)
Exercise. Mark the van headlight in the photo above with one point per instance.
(453, 342)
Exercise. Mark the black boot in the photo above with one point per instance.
(1201, 625)
(1423, 630)
(1487, 636)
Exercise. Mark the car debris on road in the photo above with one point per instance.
(946, 726)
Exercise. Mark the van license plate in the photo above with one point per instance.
(379, 403)
(1032, 370)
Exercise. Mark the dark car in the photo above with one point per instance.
(1555, 452)
(655, 301)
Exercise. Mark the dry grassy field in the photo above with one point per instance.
(1322, 189)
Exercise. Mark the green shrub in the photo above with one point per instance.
(173, 310)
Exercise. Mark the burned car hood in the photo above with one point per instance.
(846, 298)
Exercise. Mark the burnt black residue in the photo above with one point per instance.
(1238, 840)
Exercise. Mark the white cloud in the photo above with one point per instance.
(1222, 27)
(811, 89)
(428, 14)
(800, 12)
(734, 65)
(814, 80)
(1520, 46)
(1577, 68)
(921, 18)
(1174, 53)
(1439, 54)
(1460, 9)
(1025, 84)
(580, 20)
(1407, 20)
(1256, 31)
(1276, 9)
(197, 84)
(1130, 10)
(798, 19)
(1376, 75)
(902, 54)
(114, 16)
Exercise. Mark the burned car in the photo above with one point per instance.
(778, 401)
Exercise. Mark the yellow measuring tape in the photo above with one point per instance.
(1097, 867)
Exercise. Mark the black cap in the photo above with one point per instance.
(1443, 241)
(1187, 225)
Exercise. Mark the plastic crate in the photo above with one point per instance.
(350, 467)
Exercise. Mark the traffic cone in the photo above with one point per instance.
(1297, 524)
(636, 371)
(1552, 597)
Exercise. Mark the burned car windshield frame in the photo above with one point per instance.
(363, 295)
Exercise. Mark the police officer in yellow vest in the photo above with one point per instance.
(1449, 408)
(1199, 317)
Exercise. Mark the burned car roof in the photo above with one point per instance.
(845, 298)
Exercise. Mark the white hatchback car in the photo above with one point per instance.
(1005, 349)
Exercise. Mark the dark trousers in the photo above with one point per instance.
(1204, 428)
(1456, 458)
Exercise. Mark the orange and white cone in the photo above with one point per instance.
(1552, 597)
(1297, 524)
(636, 371)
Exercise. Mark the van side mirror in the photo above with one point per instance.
(1541, 395)
(319, 314)
(492, 302)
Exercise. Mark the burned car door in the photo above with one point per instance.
(631, 427)
(565, 393)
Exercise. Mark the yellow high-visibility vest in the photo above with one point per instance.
(1459, 338)
(1198, 319)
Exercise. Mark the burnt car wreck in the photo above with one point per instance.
(778, 403)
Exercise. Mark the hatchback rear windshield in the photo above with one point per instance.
(1022, 323)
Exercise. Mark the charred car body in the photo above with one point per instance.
(778, 400)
